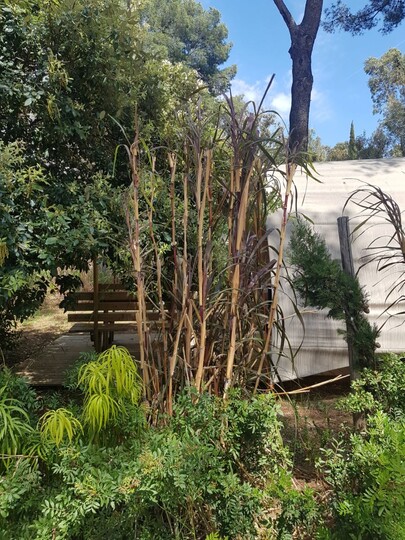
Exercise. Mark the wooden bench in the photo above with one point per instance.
(108, 309)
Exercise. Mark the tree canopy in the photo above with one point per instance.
(73, 75)
(387, 14)
(187, 33)
(72, 87)
(387, 87)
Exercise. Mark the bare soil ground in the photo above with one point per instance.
(36, 333)
(310, 422)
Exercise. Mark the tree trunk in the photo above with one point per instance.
(302, 43)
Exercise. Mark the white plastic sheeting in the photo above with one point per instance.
(323, 349)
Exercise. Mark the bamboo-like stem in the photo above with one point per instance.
(173, 163)
(186, 287)
(200, 202)
(188, 337)
(135, 245)
(230, 214)
(307, 389)
(291, 168)
(164, 367)
(235, 285)
(210, 222)
(173, 362)
(211, 337)
(202, 275)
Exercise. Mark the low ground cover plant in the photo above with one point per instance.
(214, 467)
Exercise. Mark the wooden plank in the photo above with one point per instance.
(111, 306)
(107, 306)
(111, 287)
(85, 328)
(82, 328)
(348, 268)
(113, 316)
(105, 295)
(345, 245)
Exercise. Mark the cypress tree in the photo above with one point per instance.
(352, 143)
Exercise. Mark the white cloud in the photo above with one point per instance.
(281, 103)
(279, 98)
(252, 92)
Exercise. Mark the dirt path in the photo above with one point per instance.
(36, 333)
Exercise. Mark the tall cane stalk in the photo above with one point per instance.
(135, 247)
(290, 172)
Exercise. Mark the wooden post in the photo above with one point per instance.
(348, 267)
(97, 344)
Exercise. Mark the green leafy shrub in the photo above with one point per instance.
(19, 389)
(18, 492)
(14, 425)
(248, 430)
(19, 439)
(112, 387)
(214, 468)
(301, 514)
(380, 389)
(46, 226)
(367, 474)
(367, 470)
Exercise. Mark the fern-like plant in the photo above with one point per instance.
(108, 382)
(99, 410)
(58, 425)
(14, 425)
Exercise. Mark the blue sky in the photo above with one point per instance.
(340, 94)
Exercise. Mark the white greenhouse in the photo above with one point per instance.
(323, 349)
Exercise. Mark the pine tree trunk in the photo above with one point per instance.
(300, 91)
(302, 43)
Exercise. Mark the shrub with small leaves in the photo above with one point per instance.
(212, 470)
(19, 487)
(367, 474)
(18, 388)
(380, 389)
